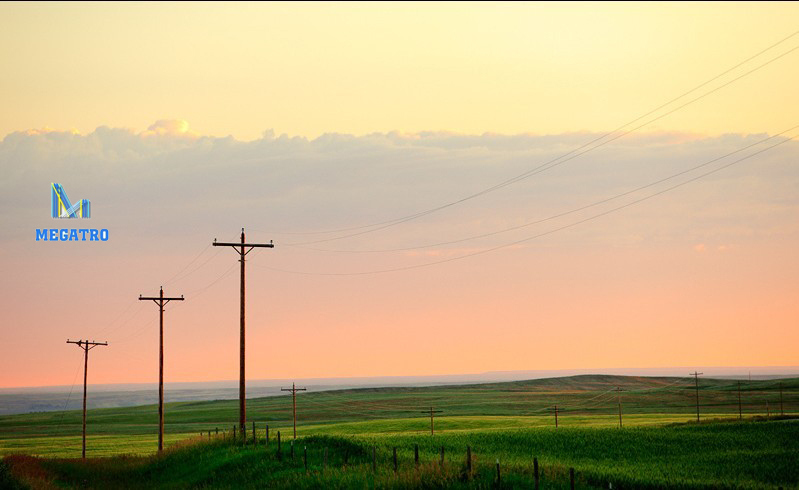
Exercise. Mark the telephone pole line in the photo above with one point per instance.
(161, 301)
(618, 390)
(431, 412)
(240, 249)
(293, 391)
(86, 346)
(696, 378)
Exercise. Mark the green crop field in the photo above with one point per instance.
(659, 446)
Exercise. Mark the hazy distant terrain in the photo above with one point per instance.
(51, 398)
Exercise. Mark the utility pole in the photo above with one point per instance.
(740, 412)
(431, 412)
(242, 249)
(619, 390)
(293, 391)
(696, 378)
(781, 411)
(161, 302)
(86, 346)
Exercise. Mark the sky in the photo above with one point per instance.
(645, 217)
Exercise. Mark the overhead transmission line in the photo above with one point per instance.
(539, 235)
(562, 214)
(597, 142)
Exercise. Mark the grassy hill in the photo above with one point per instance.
(587, 400)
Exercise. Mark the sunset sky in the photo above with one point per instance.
(333, 128)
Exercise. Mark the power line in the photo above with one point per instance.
(539, 235)
(574, 153)
(562, 214)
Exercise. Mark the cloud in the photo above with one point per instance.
(170, 180)
(170, 127)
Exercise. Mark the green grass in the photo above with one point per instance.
(753, 454)
(509, 421)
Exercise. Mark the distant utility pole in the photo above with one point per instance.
(161, 302)
(740, 412)
(242, 249)
(696, 378)
(618, 390)
(781, 411)
(556, 416)
(431, 412)
(86, 346)
(293, 391)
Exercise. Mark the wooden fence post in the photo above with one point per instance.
(374, 458)
(292, 449)
(442, 455)
(535, 472)
(571, 478)
(279, 454)
(267, 434)
(254, 434)
(395, 459)
(416, 454)
(324, 460)
(499, 475)
(305, 457)
(234, 433)
(469, 459)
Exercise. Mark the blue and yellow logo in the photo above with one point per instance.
(63, 208)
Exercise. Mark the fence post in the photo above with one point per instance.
(324, 460)
(305, 457)
(571, 478)
(234, 433)
(374, 458)
(279, 454)
(442, 455)
(395, 459)
(535, 472)
(416, 454)
(499, 475)
(469, 460)
(217, 431)
(254, 434)
(267, 434)
(292, 449)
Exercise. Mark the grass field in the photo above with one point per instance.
(512, 422)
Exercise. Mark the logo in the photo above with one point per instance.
(63, 208)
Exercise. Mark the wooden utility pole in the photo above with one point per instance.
(556, 416)
(619, 390)
(161, 302)
(86, 346)
(740, 412)
(293, 391)
(242, 249)
(696, 378)
(431, 412)
(781, 411)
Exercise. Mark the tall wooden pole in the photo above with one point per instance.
(86, 346)
(293, 391)
(242, 249)
(161, 302)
